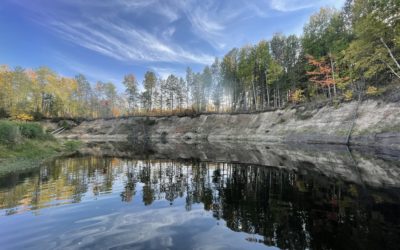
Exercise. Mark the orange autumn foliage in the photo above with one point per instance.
(322, 75)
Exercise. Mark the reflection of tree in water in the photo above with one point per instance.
(284, 208)
(288, 210)
(130, 189)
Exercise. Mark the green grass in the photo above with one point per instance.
(71, 146)
(28, 154)
(30, 149)
(24, 145)
(32, 153)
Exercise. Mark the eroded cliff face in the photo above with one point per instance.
(376, 124)
(363, 166)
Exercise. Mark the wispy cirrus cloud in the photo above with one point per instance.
(294, 5)
(126, 43)
(121, 38)
(136, 35)
(164, 72)
(123, 29)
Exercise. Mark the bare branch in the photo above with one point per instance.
(390, 53)
(391, 69)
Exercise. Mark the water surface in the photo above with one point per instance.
(104, 202)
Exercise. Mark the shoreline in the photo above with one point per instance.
(375, 124)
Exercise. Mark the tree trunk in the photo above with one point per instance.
(333, 74)
(254, 96)
(329, 92)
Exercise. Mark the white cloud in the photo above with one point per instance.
(112, 36)
(124, 42)
(167, 11)
(293, 5)
(210, 20)
(156, 228)
(169, 32)
(164, 72)
(102, 26)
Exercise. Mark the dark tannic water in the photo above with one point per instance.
(141, 202)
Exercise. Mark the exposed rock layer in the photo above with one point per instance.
(376, 124)
(369, 166)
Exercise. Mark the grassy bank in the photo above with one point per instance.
(26, 144)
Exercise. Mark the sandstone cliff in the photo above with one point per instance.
(376, 123)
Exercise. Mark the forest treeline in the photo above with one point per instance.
(340, 55)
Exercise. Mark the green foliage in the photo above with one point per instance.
(37, 116)
(14, 132)
(31, 130)
(359, 43)
(9, 132)
(376, 26)
(72, 145)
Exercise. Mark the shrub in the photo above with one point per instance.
(149, 122)
(348, 95)
(297, 96)
(372, 91)
(24, 117)
(37, 116)
(31, 130)
(4, 113)
(67, 124)
(9, 132)
(72, 145)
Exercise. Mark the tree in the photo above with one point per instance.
(131, 89)
(274, 73)
(263, 59)
(376, 47)
(205, 88)
(83, 95)
(149, 84)
(229, 71)
(322, 75)
(172, 91)
(316, 41)
(217, 92)
(189, 84)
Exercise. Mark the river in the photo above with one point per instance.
(228, 196)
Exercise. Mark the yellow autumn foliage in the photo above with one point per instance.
(348, 95)
(372, 91)
(297, 96)
(24, 117)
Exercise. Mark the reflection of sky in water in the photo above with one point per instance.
(101, 221)
(108, 223)
(103, 203)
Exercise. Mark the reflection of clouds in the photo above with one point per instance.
(219, 237)
(121, 229)
(161, 228)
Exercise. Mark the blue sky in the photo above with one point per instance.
(106, 39)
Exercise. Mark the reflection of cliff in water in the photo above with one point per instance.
(284, 207)
(364, 166)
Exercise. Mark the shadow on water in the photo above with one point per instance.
(285, 196)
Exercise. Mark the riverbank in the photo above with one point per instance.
(24, 145)
(377, 167)
(369, 123)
